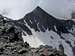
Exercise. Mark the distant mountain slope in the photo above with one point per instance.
(41, 28)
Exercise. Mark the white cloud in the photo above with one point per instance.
(16, 8)
(58, 8)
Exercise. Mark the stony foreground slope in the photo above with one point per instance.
(40, 28)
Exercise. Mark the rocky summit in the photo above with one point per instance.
(12, 44)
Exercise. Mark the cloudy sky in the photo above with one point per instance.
(16, 9)
(59, 8)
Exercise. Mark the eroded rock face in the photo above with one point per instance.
(11, 41)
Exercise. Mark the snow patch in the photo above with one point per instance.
(50, 38)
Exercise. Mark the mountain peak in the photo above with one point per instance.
(39, 10)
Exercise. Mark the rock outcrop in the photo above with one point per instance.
(11, 41)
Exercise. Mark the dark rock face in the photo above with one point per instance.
(39, 20)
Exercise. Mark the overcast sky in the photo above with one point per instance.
(16, 9)
(59, 8)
